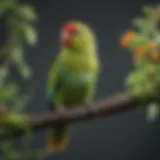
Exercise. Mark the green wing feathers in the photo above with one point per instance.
(54, 76)
(58, 137)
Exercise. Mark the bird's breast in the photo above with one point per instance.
(76, 87)
(78, 79)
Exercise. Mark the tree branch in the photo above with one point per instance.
(106, 107)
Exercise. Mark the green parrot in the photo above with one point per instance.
(72, 78)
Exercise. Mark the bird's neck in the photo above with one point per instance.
(80, 60)
(88, 50)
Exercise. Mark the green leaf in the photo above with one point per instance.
(138, 22)
(157, 39)
(26, 72)
(17, 121)
(137, 78)
(3, 51)
(26, 12)
(18, 58)
(4, 72)
(153, 111)
(139, 40)
(143, 63)
(7, 92)
(21, 102)
(144, 25)
(5, 5)
(17, 54)
(29, 33)
(148, 10)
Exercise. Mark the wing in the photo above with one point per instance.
(92, 87)
(94, 81)
(54, 82)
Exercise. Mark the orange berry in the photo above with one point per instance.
(130, 35)
(151, 44)
(139, 50)
(127, 39)
(124, 43)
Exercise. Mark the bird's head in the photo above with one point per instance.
(76, 35)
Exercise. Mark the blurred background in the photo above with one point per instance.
(124, 137)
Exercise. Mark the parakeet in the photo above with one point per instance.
(73, 77)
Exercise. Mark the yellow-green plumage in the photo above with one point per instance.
(73, 78)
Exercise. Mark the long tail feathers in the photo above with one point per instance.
(58, 144)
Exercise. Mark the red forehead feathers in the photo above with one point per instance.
(70, 27)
